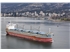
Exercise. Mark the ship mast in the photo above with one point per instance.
(31, 27)
(23, 26)
(17, 26)
(49, 30)
(39, 28)
(16, 23)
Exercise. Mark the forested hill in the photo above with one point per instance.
(31, 7)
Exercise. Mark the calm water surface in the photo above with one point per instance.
(60, 29)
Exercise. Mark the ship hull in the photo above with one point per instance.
(39, 39)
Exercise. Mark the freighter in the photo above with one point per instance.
(33, 35)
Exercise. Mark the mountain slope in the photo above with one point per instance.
(46, 7)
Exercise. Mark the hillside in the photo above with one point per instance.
(46, 7)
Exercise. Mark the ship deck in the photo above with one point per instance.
(30, 33)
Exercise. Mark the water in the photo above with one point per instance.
(60, 29)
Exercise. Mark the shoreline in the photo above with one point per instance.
(54, 20)
(58, 20)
